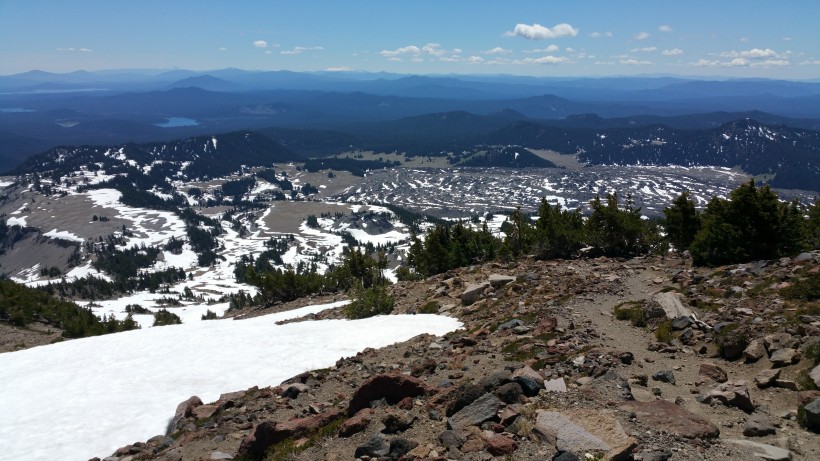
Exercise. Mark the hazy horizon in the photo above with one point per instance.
(698, 39)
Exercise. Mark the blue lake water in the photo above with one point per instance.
(14, 109)
(174, 122)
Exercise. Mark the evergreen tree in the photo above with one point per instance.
(682, 222)
(616, 232)
(558, 233)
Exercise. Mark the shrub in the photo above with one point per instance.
(209, 315)
(431, 307)
(632, 311)
(162, 317)
(731, 341)
(370, 302)
(664, 332)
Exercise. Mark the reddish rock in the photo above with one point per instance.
(406, 403)
(711, 372)
(662, 415)
(547, 325)
(499, 445)
(184, 410)
(204, 411)
(357, 423)
(392, 387)
(268, 433)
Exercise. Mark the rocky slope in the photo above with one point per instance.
(715, 364)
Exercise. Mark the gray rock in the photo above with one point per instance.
(754, 351)
(664, 376)
(670, 304)
(498, 280)
(767, 377)
(762, 450)
(529, 386)
(529, 373)
(710, 371)
(293, 390)
(758, 426)
(784, 357)
(803, 257)
(482, 409)
(374, 447)
(510, 392)
(555, 385)
(813, 414)
(450, 438)
(473, 292)
(732, 394)
(681, 323)
(510, 324)
(815, 375)
(609, 386)
(220, 455)
(395, 422)
(583, 431)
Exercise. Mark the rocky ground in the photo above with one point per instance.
(644, 359)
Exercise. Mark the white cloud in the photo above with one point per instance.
(665, 28)
(647, 49)
(82, 50)
(786, 39)
(744, 39)
(475, 59)
(737, 62)
(338, 69)
(641, 36)
(544, 60)
(705, 63)
(635, 62)
(86, 50)
(260, 44)
(549, 49)
(301, 49)
(497, 50)
(754, 53)
(417, 54)
(222, 48)
(569, 50)
(773, 63)
(810, 62)
(600, 34)
(672, 52)
(539, 32)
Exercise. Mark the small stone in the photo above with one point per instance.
(664, 376)
(529, 386)
(450, 438)
(730, 393)
(395, 422)
(498, 280)
(500, 445)
(220, 455)
(555, 385)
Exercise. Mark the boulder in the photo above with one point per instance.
(374, 447)
(204, 411)
(184, 410)
(815, 375)
(464, 395)
(670, 306)
(293, 390)
(450, 438)
(761, 450)
(663, 415)
(498, 280)
(608, 387)
(732, 394)
(784, 357)
(812, 411)
(529, 373)
(584, 430)
(482, 409)
(500, 445)
(268, 433)
(555, 385)
(754, 351)
(400, 447)
(767, 377)
(509, 393)
(710, 372)
(758, 426)
(392, 387)
(395, 422)
(473, 292)
(357, 422)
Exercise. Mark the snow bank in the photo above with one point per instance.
(87, 397)
(64, 235)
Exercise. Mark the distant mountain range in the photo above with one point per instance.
(323, 113)
(783, 156)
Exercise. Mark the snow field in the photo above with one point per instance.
(87, 397)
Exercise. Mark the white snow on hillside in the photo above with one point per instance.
(64, 235)
(87, 397)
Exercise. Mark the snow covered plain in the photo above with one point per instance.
(87, 397)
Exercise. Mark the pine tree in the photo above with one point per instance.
(682, 222)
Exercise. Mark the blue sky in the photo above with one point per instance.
(748, 38)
